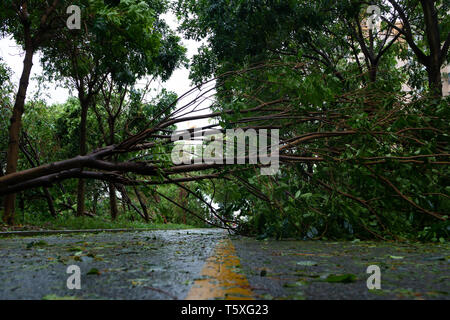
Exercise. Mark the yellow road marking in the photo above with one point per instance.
(220, 279)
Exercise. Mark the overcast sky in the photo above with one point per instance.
(13, 55)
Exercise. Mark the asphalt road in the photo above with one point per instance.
(208, 264)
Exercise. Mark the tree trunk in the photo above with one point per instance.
(183, 196)
(112, 190)
(373, 73)
(16, 123)
(434, 41)
(142, 203)
(124, 206)
(22, 203)
(435, 79)
(95, 200)
(50, 203)
(112, 201)
(81, 188)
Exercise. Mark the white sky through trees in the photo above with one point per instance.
(13, 55)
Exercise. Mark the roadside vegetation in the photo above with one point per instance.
(362, 115)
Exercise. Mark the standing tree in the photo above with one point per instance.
(425, 26)
(31, 23)
(122, 42)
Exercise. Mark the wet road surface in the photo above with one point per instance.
(338, 270)
(140, 265)
(209, 264)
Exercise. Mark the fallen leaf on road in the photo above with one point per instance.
(93, 271)
(344, 278)
(55, 297)
(307, 263)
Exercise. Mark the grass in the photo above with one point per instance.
(70, 222)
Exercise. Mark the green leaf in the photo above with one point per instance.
(306, 195)
(396, 257)
(307, 263)
(40, 243)
(93, 271)
(344, 278)
(55, 297)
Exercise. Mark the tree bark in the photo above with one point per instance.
(81, 188)
(50, 203)
(434, 79)
(22, 203)
(142, 203)
(112, 190)
(183, 196)
(112, 201)
(95, 202)
(16, 123)
(373, 73)
(434, 41)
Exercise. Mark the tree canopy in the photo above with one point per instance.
(362, 114)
